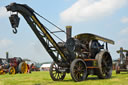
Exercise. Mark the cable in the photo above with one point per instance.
(52, 33)
(53, 25)
(50, 22)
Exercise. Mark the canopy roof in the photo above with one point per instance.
(93, 37)
(121, 50)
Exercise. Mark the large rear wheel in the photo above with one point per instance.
(55, 72)
(105, 65)
(78, 70)
(23, 68)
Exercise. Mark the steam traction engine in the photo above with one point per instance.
(13, 65)
(122, 64)
(80, 55)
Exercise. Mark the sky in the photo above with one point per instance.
(107, 18)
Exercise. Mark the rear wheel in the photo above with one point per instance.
(78, 70)
(104, 64)
(23, 68)
(55, 72)
(12, 70)
(117, 68)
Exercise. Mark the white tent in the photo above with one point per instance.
(44, 66)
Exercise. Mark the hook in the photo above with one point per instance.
(14, 30)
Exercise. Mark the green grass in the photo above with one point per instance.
(43, 78)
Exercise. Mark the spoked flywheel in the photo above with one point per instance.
(104, 64)
(23, 68)
(78, 70)
(55, 72)
(12, 70)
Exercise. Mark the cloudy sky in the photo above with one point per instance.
(107, 18)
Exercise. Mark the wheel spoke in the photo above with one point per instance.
(55, 75)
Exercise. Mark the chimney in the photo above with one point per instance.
(7, 56)
(68, 32)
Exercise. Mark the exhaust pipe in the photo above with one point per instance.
(68, 32)
(7, 56)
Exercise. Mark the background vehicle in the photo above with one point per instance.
(13, 65)
(122, 64)
(2, 71)
(80, 55)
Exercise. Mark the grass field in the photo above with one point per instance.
(43, 78)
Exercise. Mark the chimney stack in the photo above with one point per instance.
(68, 32)
(7, 56)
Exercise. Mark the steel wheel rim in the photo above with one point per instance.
(24, 68)
(56, 73)
(79, 70)
(106, 66)
(12, 70)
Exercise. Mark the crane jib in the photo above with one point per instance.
(45, 38)
(48, 36)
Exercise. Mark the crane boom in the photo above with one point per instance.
(45, 38)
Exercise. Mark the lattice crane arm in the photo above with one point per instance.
(46, 39)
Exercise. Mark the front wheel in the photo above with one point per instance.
(12, 70)
(78, 70)
(2, 72)
(55, 72)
